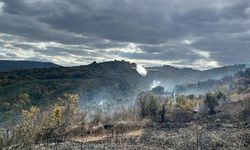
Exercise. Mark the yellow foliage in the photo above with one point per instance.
(169, 104)
(36, 124)
(30, 114)
(57, 114)
(234, 97)
(186, 104)
(28, 127)
(69, 102)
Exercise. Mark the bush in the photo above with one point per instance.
(185, 103)
(148, 105)
(158, 90)
(211, 102)
(36, 126)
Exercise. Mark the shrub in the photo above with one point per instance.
(69, 103)
(211, 102)
(148, 105)
(185, 103)
(37, 126)
(158, 90)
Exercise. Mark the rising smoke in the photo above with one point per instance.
(141, 70)
(155, 83)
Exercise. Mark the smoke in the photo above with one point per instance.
(197, 108)
(174, 98)
(155, 83)
(141, 70)
(101, 103)
(247, 66)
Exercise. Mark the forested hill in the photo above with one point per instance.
(119, 70)
(115, 70)
(112, 81)
(109, 81)
(169, 76)
(8, 65)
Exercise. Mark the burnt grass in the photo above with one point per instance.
(195, 135)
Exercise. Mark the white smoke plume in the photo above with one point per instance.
(141, 70)
(247, 66)
(155, 83)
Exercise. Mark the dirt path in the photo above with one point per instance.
(96, 138)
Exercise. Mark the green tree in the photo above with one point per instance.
(148, 105)
(211, 102)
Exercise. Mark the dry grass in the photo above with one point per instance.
(192, 136)
(63, 126)
(102, 137)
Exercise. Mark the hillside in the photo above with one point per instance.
(240, 81)
(7, 65)
(169, 77)
(154, 123)
(97, 83)
(49, 100)
(110, 81)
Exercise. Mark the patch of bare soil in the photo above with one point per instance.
(101, 137)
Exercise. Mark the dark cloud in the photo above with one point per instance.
(184, 33)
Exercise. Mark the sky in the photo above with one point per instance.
(201, 34)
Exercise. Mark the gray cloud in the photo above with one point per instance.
(190, 33)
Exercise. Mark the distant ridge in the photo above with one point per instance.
(9, 65)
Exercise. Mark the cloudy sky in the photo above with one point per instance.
(192, 33)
